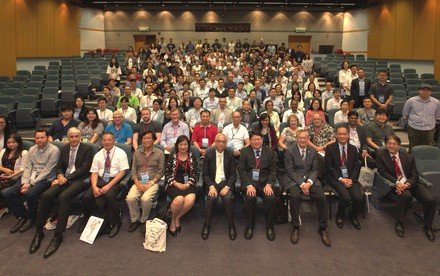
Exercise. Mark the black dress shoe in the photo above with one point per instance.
(248, 233)
(179, 229)
(398, 228)
(53, 245)
(355, 223)
(28, 225)
(36, 242)
(232, 233)
(143, 230)
(205, 232)
(340, 222)
(82, 225)
(133, 226)
(18, 225)
(114, 230)
(294, 237)
(324, 237)
(430, 235)
(270, 234)
(172, 233)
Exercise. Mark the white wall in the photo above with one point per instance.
(355, 28)
(92, 30)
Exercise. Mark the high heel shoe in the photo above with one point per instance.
(172, 233)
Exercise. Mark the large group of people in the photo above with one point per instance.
(213, 114)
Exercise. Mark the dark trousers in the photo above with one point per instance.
(15, 199)
(352, 196)
(107, 203)
(317, 194)
(420, 137)
(228, 203)
(422, 195)
(250, 203)
(358, 102)
(64, 194)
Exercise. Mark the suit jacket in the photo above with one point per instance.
(354, 90)
(210, 168)
(298, 170)
(83, 162)
(385, 166)
(362, 137)
(268, 167)
(333, 162)
(252, 116)
(215, 115)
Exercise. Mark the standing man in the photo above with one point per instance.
(422, 112)
(302, 170)
(72, 168)
(342, 173)
(258, 172)
(146, 171)
(219, 175)
(400, 168)
(39, 171)
(359, 88)
(145, 125)
(381, 93)
(108, 168)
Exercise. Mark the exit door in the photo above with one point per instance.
(303, 40)
(144, 41)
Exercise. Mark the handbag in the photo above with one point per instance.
(281, 215)
(164, 213)
(366, 175)
(155, 235)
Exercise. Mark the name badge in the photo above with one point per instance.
(85, 140)
(344, 171)
(106, 176)
(173, 141)
(185, 178)
(145, 178)
(247, 125)
(33, 175)
(256, 174)
(220, 126)
(230, 145)
(205, 142)
(381, 98)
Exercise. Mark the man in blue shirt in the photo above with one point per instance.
(122, 131)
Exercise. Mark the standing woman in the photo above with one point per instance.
(114, 71)
(344, 73)
(5, 130)
(11, 166)
(91, 128)
(307, 64)
(181, 176)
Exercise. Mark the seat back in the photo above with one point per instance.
(427, 158)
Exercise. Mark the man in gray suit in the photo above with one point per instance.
(221, 115)
(301, 163)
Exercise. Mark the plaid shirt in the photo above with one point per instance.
(321, 137)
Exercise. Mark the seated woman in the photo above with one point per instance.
(310, 91)
(273, 115)
(288, 135)
(11, 165)
(341, 116)
(269, 134)
(181, 176)
(315, 108)
(297, 96)
(128, 112)
(80, 109)
(91, 128)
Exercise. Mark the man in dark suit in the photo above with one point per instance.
(301, 163)
(258, 172)
(400, 168)
(248, 115)
(72, 168)
(219, 175)
(342, 173)
(357, 135)
(359, 88)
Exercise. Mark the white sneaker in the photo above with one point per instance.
(51, 224)
(3, 211)
(71, 220)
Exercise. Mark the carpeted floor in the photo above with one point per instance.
(373, 250)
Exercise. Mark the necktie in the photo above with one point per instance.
(343, 156)
(219, 170)
(71, 159)
(108, 161)
(397, 167)
(303, 154)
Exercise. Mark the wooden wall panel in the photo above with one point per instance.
(45, 28)
(26, 27)
(74, 32)
(373, 33)
(61, 29)
(403, 29)
(424, 28)
(436, 41)
(7, 33)
(387, 28)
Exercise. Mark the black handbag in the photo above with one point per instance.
(164, 213)
(281, 209)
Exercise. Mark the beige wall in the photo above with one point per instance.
(325, 28)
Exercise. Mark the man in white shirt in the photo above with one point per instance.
(104, 113)
(211, 102)
(294, 110)
(148, 99)
(109, 166)
(335, 102)
(202, 91)
(232, 102)
(135, 90)
(212, 82)
(327, 93)
(237, 134)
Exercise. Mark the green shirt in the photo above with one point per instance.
(378, 133)
(132, 102)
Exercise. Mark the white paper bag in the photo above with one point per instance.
(155, 235)
(91, 230)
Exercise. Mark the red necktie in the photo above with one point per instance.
(108, 161)
(343, 157)
(397, 167)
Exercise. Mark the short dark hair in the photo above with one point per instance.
(66, 107)
(383, 71)
(352, 113)
(205, 111)
(42, 130)
(124, 99)
(381, 111)
(393, 137)
(179, 140)
(255, 133)
(344, 126)
(153, 134)
(102, 99)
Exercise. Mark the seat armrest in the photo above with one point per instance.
(382, 185)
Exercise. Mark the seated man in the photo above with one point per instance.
(39, 171)
(237, 134)
(335, 101)
(122, 131)
(321, 134)
(301, 163)
(104, 114)
(72, 168)
(204, 133)
(294, 110)
(378, 130)
(248, 115)
(357, 134)
(219, 175)
(146, 171)
(58, 130)
(400, 168)
(342, 173)
(146, 124)
(233, 102)
(221, 115)
(133, 101)
(258, 172)
(107, 170)
(366, 113)
(172, 130)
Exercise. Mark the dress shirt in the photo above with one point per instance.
(40, 164)
(118, 161)
(422, 114)
(171, 132)
(404, 179)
